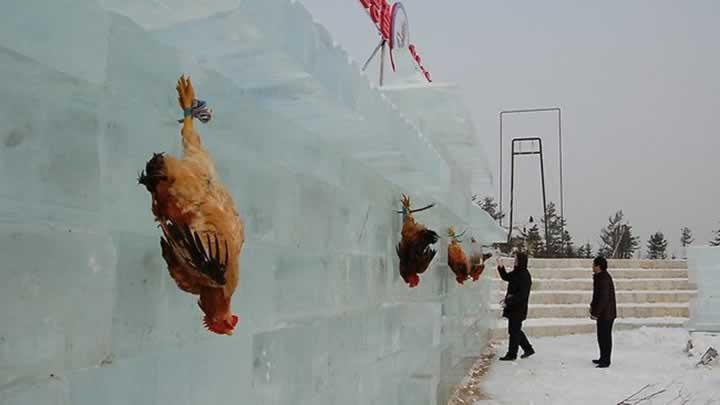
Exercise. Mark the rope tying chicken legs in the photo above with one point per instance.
(199, 111)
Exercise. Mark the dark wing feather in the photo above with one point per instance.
(416, 255)
(188, 247)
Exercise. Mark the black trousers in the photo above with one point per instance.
(604, 337)
(517, 338)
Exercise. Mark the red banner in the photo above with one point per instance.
(381, 13)
(416, 56)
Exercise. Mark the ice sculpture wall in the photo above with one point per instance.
(315, 159)
(438, 111)
(704, 272)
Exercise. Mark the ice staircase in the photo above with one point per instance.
(648, 292)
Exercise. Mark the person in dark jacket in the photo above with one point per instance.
(516, 306)
(603, 309)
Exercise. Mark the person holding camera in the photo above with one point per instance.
(516, 306)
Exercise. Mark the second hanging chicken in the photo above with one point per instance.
(414, 249)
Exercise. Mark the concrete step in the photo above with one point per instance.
(580, 311)
(586, 284)
(648, 293)
(612, 263)
(569, 326)
(567, 273)
(622, 297)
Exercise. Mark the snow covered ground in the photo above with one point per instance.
(562, 373)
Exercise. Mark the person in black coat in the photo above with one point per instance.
(516, 306)
(603, 309)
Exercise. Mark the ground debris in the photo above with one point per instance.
(645, 393)
(709, 357)
(649, 392)
(470, 389)
(649, 368)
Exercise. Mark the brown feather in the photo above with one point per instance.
(188, 192)
(458, 262)
(477, 261)
(414, 249)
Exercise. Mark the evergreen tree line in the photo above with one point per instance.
(616, 239)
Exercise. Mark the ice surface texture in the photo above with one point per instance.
(316, 160)
(704, 272)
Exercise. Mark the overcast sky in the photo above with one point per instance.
(638, 83)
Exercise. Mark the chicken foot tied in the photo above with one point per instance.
(414, 249)
(186, 94)
(406, 206)
(202, 231)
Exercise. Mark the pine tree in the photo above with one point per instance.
(617, 240)
(518, 241)
(560, 242)
(489, 205)
(534, 242)
(716, 241)
(686, 239)
(568, 246)
(585, 251)
(657, 246)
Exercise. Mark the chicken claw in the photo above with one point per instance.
(405, 201)
(186, 93)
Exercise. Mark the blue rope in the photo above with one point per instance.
(199, 110)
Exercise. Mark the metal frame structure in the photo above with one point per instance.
(512, 181)
(562, 192)
(380, 47)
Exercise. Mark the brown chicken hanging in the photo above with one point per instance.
(457, 261)
(414, 248)
(203, 233)
(477, 259)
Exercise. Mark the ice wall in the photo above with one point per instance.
(704, 272)
(315, 159)
(437, 110)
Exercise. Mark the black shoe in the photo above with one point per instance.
(508, 357)
(603, 365)
(527, 354)
(596, 361)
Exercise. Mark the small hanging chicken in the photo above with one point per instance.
(457, 261)
(414, 248)
(477, 259)
(203, 233)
